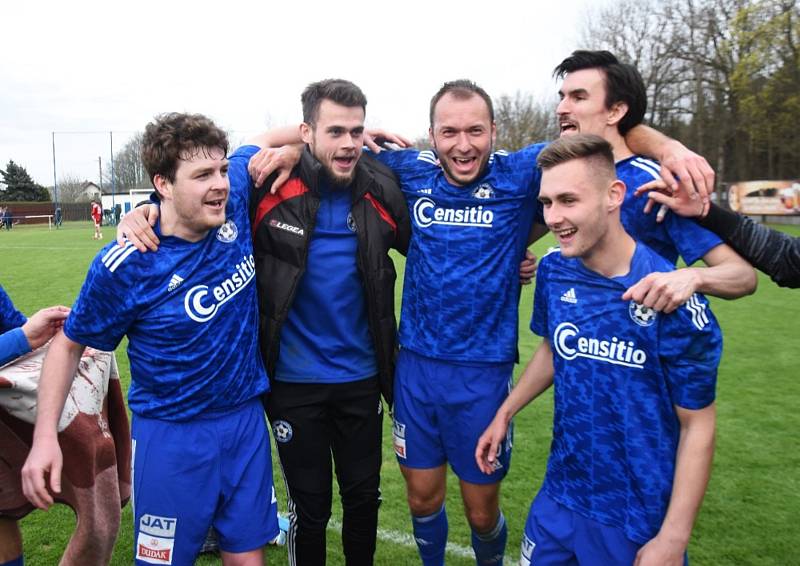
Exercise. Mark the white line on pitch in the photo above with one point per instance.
(405, 539)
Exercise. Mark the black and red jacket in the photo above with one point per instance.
(282, 227)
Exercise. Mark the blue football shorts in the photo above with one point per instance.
(558, 536)
(214, 470)
(441, 408)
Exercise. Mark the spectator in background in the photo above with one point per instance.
(7, 218)
(97, 216)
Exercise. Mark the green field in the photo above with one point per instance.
(751, 513)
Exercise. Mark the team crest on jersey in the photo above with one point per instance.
(227, 232)
(351, 223)
(642, 315)
(282, 431)
(484, 191)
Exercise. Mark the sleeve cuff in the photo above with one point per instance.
(14, 344)
(721, 221)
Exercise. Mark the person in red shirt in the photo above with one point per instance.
(97, 215)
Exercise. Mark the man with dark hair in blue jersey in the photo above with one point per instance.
(328, 328)
(633, 431)
(201, 454)
(472, 209)
(599, 95)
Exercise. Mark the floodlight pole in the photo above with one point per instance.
(113, 180)
(55, 183)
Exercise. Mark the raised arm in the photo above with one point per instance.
(536, 378)
(680, 167)
(775, 253)
(45, 458)
(692, 471)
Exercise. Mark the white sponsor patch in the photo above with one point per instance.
(155, 550)
(399, 435)
(158, 526)
(156, 540)
(526, 551)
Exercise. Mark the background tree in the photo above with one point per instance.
(71, 189)
(723, 76)
(522, 121)
(129, 173)
(20, 186)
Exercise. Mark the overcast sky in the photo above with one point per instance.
(87, 66)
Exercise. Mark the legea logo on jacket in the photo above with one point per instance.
(287, 227)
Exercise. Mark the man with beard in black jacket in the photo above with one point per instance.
(327, 321)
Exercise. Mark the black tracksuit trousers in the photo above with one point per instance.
(317, 425)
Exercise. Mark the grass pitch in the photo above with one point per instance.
(751, 514)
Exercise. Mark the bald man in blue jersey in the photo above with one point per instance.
(472, 209)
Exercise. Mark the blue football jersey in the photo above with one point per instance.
(189, 311)
(10, 317)
(325, 338)
(675, 235)
(620, 370)
(13, 342)
(461, 287)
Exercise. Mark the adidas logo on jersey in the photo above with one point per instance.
(425, 191)
(569, 344)
(175, 282)
(569, 296)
